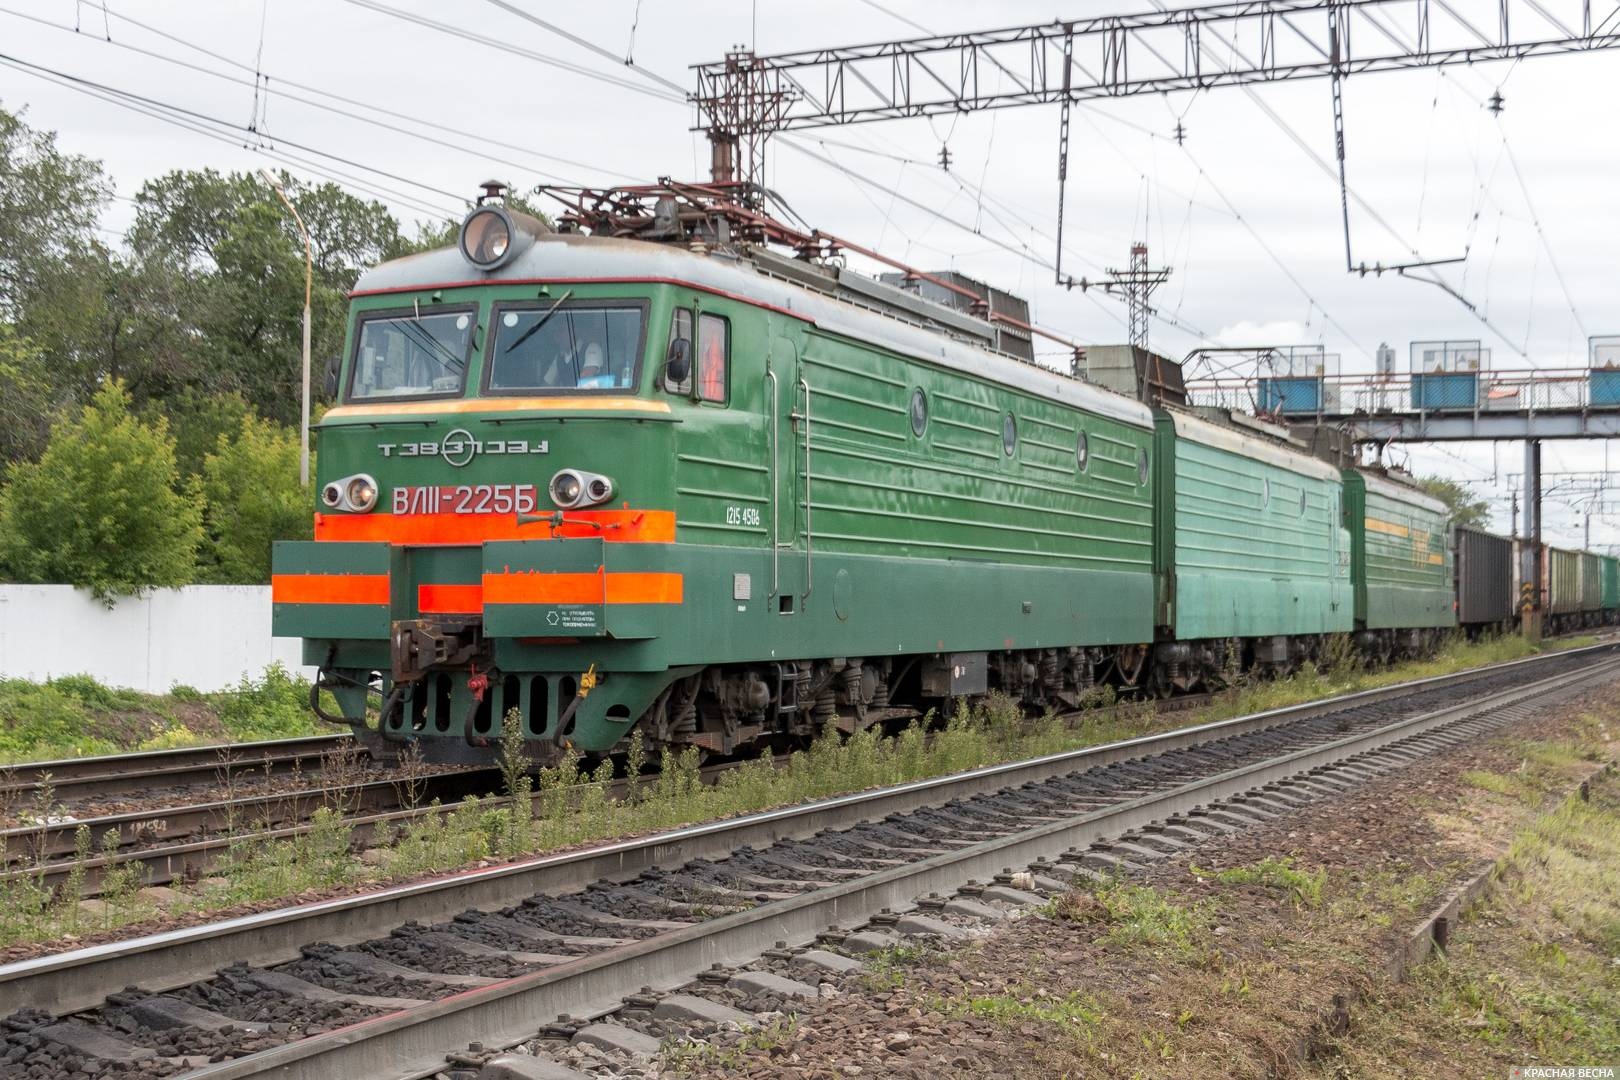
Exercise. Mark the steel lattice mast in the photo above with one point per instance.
(745, 98)
(1126, 55)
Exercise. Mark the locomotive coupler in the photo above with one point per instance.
(419, 645)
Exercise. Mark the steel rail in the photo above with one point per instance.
(412, 1042)
(80, 979)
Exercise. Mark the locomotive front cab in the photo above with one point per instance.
(496, 518)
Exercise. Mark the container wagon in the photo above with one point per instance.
(1400, 562)
(1484, 574)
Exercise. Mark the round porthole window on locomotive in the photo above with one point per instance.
(919, 412)
(1265, 493)
(1009, 434)
(1301, 504)
(1141, 467)
(1082, 451)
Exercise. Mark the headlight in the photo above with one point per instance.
(567, 487)
(362, 494)
(357, 494)
(486, 237)
(572, 489)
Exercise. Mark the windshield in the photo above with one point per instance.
(411, 356)
(561, 346)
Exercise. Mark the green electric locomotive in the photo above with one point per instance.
(673, 479)
(608, 481)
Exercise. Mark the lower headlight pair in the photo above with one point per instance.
(356, 494)
(571, 489)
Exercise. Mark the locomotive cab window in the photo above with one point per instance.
(409, 355)
(709, 356)
(587, 345)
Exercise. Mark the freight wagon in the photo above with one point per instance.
(1486, 597)
(1581, 589)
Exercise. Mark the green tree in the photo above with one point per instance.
(251, 498)
(26, 397)
(1465, 508)
(198, 420)
(100, 508)
(49, 205)
(55, 276)
(225, 262)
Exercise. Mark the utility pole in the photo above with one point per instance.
(1139, 284)
(309, 281)
(1136, 284)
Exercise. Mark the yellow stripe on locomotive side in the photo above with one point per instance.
(1390, 527)
(500, 404)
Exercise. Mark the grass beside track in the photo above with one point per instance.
(1274, 963)
(1532, 975)
(573, 806)
(75, 716)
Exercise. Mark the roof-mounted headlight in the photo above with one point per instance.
(487, 237)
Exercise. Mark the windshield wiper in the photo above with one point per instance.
(424, 337)
(531, 331)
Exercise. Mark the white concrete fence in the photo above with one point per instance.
(203, 636)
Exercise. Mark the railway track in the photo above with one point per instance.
(174, 843)
(73, 779)
(404, 976)
(183, 842)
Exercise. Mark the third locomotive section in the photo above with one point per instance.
(609, 483)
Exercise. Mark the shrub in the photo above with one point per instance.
(251, 498)
(273, 706)
(99, 509)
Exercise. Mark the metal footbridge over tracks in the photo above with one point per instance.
(1450, 394)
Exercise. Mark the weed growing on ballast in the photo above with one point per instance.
(1303, 886)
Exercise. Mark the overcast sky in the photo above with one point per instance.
(1243, 215)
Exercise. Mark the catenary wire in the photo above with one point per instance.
(409, 118)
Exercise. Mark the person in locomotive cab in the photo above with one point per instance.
(712, 379)
(593, 371)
